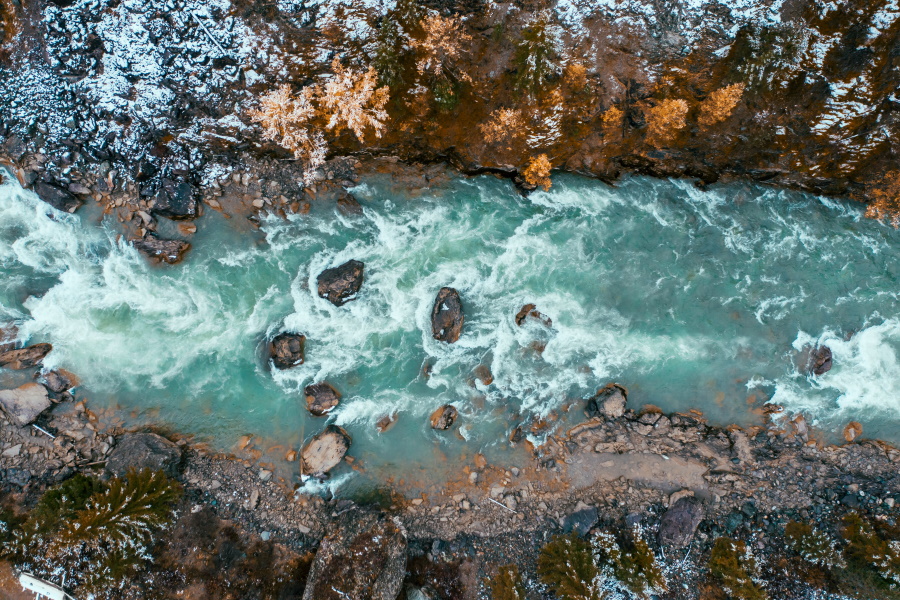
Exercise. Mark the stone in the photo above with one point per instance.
(162, 250)
(175, 200)
(18, 477)
(444, 417)
(57, 197)
(25, 358)
(340, 285)
(321, 398)
(419, 593)
(853, 430)
(530, 310)
(609, 401)
(12, 452)
(484, 375)
(144, 451)
(348, 205)
(447, 316)
(325, 451)
(678, 524)
(386, 422)
(286, 350)
(60, 380)
(24, 404)
(8, 335)
(820, 360)
(581, 521)
(362, 557)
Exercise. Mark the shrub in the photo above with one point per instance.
(812, 545)
(867, 549)
(732, 564)
(630, 561)
(537, 173)
(507, 584)
(566, 565)
(720, 104)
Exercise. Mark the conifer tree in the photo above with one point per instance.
(566, 565)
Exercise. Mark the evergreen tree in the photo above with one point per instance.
(536, 58)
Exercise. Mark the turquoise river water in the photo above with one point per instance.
(690, 298)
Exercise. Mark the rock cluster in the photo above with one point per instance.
(609, 401)
(162, 250)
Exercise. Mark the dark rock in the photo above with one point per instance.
(444, 417)
(348, 205)
(162, 250)
(749, 510)
(144, 171)
(25, 358)
(820, 360)
(341, 284)
(286, 350)
(321, 398)
(530, 310)
(851, 500)
(363, 557)
(18, 477)
(609, 401)
(175, 200)
(447, 316)
(386, 422)
(24, 404)
(581, 521)
(517, 435)
(8, 335)
(60, 380)
(144, 451)
(678, 524)
(57, 197)
(325, 451)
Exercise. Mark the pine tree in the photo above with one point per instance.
(732, 564)
(388, 53)
(537, 59)
(566, 565)
(812, 545)
(507, 584)
(630, 561)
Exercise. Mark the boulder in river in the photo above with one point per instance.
(531, 311)
(444, 417)
(609, 401)
(340, 285)
(325, 451)
(162, 250)
(321, 398)
(286, 350)
(447, 316)
(679, 523)
(57, 197)
(820, 360)
(60, 380)
(24, 404)
(175, 200)
(144, 451)
(25, 358)
(348, 205)
(363, 557)
(853, 430)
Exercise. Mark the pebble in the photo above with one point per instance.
(265, 474)
(13, 452)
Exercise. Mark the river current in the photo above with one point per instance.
(690, 298)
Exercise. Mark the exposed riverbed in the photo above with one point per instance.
(690, 298)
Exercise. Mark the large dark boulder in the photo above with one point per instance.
(321, 398)
(679, 523)
(25, 358)
(144, 451)
(325, 451)
(363, 557)
(286, 350)
(820, 360)
(175, 200)
(57, 197)
(162, 250)
(444, 417)
(609, 402)
(447, 316)
(341, 284)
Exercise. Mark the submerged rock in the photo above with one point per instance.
(57, 197)
(325, 451)
(609, 401)
(144, 451)
(484, 375)
(447, 316)
(362, 557)
(286, 350)
(162, 250)
(444, 417)
(175, 200)
(321, 398)
(386, 422)
(530, 310)
(25, 358)
(348, 205)
(24, 404)
(679, 523)
(820, 360)
(341, 284)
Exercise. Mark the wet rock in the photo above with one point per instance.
(321, 398)
(60, 381)
(175, 200)
(162, 250)
(8, 335)
(820, 360)
(444, 417)
(144, 451)
(325, 451)
(484, 375)
(853, 430)
(447, 316)
(24, 404)
(530, 310)
(57, 197)
(678, 524)
(25, 358)
(362, 557)
(348, 205)
(386, 422)
(517, 435)
(582, 520)
(609, 401)
(341, 284)
(286, 350)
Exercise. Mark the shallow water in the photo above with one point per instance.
(690, 298)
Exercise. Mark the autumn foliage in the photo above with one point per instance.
(441, 46)
(720, 104)
(537, 173)
(354, 102)
(884, 197)
(665, 119)
(505, 126)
